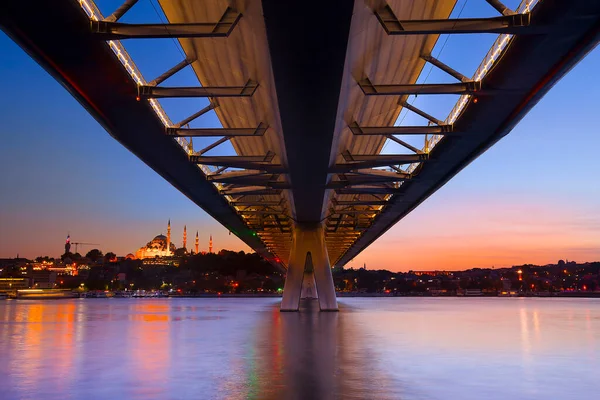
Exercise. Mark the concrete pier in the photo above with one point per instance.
(309, 272)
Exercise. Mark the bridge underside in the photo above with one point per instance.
(307, 93)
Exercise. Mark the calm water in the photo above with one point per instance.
(403, 348)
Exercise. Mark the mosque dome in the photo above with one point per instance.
(160, 246)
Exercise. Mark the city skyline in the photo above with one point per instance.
(532, 198)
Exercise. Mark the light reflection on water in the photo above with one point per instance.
(396, 348)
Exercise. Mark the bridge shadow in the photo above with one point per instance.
(316, 355)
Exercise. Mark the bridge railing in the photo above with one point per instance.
(93, 12)
(491, 57)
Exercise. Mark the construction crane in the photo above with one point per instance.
(84, 244)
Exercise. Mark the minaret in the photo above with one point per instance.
(197, 242)
(68, 244)
(210, 244)
(169, 238)
(185, 237)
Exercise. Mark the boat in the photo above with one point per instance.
(36, 294)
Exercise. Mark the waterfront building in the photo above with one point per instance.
(12, 284)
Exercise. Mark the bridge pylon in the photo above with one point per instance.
(309, 272)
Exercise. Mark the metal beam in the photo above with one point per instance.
(213, 132)
(108, 30)
(171, 72)
(392, 159)
(423, 114)
(258, 180)
(119, 12)
(349, 167)
(404, 144)
(157, 92)
(382, 173)
(347, 225)
(233, 161)
(513, 24)
(270, 168)
(357, 130)
(211, 106)
(365, 179)
(268, 184)
(353, 212)
(265, 184)
(356, 161)
(270, 228)
(264, 212)
(251, 191)
(501, 8)
(237, 176)
(368, 190)
(212, 146)
(360, 202)
(370, 89)
(450, 71)
(248, 203)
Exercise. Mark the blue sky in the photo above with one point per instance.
(531, 198)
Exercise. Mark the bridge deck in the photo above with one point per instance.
(318, 66)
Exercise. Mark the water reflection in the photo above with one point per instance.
(310, 354)
(247, 349)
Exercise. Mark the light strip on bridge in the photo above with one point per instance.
(92, 11)
(488, 61)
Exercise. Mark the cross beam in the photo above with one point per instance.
(263, 212)
(449, 70)
(370, 89)
(181, 65)
(241, 177)
(417, 111)
(365, 179)
(248, 203)
(268, 184)
(513, 24)
(377, 160)
(212, 132)
(259, 163)
(119, 12)
(255, 166)
(404, 144)
(382, 173)
(368, 190)
(251, 191)
(158, 92)
(357, 130)
(353, 212)
(211, 106)
(359, 202)
(501, 8)
(108, 30)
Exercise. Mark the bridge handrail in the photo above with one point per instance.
(93, 12)
(488, 61)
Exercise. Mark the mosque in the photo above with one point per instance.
(161, 245)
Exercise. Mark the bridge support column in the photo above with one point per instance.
(309, 273)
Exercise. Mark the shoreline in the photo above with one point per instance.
(339, 295)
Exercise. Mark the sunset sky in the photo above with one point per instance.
(533, 198)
